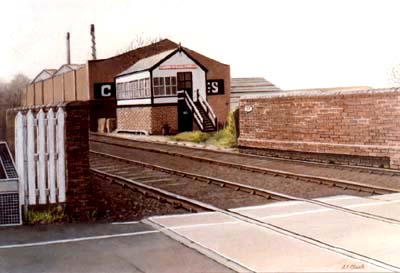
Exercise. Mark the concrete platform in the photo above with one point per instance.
(299, 236)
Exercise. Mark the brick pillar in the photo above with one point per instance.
(79, 201)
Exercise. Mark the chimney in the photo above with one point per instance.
(68, 49)
(93, 42)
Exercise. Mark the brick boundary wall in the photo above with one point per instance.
(78, 187)
(357, 123)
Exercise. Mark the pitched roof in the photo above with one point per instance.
(146, 63)
(67, 67)
(250, 87)
(44, 74)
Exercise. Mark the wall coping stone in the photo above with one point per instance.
(288, 94)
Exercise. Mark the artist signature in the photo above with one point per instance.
(353, 266)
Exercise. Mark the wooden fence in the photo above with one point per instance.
(40, 156)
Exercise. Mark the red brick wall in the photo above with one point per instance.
(162, 115)
(79, 191)
(364, 123)
(134, 118)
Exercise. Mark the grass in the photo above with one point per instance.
(49, 216)
(222, 138)
(195, 136)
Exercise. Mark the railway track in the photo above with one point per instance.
(148, 179)
(237, 163)
(172, 148)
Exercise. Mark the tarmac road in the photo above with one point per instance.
(98, 248)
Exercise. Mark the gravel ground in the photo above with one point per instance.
(115, 203)
(220, 197)
(279, 184)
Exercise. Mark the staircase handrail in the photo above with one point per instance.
(208, 109)
(193, 109)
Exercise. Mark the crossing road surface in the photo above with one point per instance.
(97, 248)
(352, 234)
(294, 236)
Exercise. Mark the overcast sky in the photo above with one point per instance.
(294, 44)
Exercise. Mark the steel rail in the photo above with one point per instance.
(344, 184)
(235, 186)
(175, 200)
(207, 179)
(191, 204)
(362, 169)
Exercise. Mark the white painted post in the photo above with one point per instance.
(51, 171)
(19, 154)
(31, 158)
(42, 157)
(61, 155)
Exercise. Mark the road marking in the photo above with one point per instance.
(125, 223)
(227, 222)
(325, 209)
(80, 239)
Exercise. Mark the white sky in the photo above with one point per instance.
(294, 44)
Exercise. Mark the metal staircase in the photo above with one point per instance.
(202, 112)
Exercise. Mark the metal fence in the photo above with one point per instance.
(40, 156)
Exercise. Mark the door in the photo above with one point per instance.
(185, 117)
(185, 82)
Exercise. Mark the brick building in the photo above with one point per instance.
(94, 81)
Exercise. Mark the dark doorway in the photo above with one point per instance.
(185, 82)
(185, 117)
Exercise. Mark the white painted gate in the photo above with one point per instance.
(40, 156)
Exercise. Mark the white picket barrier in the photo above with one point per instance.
(40, 156)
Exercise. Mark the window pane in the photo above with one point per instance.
(173, 80)
(161, 81)
(188, 84)
(181, 76)
(167, 81)
(188, 76)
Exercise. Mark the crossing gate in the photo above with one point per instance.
(40, 156)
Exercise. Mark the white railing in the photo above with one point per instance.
(40, 156)
(208, 110)
(193, 109)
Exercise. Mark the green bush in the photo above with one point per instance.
(195, 136)
(224, 138)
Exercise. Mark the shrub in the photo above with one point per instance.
(195, 136)
(225, 137)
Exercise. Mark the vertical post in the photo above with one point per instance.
(61, 155)
(19, 154)
(31, 158)
(42, 157)
(68, 49)
(51, 172)
(92, 33)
